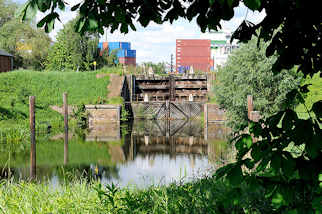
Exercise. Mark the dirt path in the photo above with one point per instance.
(115, 86)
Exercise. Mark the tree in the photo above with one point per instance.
(109, 59)
(72, 51)
(294, 31)
(28, 45)
(249, 71)
(7, 11)
(158, 68)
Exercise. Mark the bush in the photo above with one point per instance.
(249, 72)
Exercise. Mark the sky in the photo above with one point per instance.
(156, 43)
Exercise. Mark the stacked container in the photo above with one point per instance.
(102, 46)
(124, 53)
(193, 52)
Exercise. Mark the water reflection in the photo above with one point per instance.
(140, 153)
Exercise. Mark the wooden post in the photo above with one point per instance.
(32, 138)
(66, 127)
(205, 121)
(249, 105)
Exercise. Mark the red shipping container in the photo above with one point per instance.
(127, 60)
(203, 60)
(198, 66)
(105, 45)
(193, 51)
(193, 42)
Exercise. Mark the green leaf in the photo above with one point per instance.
(221, 172)
(249, 163)
(255, 128)
(253, 4)
(304, 88)
(276, 162)
(93, 24)
(75, 7)
(235, 175)
(42, 22)
(263, 164)
(288, 120)
(313, 147)
(274, 120)
(317, 204)
(288, 164)
(61, 5)
(317, 109)
(277, 200)
(256, 152)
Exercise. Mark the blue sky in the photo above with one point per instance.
(157, 42)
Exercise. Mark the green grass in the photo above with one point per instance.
(205, 195)
(48, 87)
(24, 197)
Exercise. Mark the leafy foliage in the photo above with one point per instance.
(72, 51)
(7, 11)
(158, 68)
(248, 71)
(28, 45)
(295, 37)
(108, 59)
(291, 179)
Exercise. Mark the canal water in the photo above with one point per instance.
(141, 153)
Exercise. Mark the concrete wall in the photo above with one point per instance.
(102, 114)
(104, 132)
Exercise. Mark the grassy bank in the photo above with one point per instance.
(48, 87)
(202, 196)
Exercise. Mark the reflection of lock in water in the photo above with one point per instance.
(146, 140)
(190, 97)
(191, 140)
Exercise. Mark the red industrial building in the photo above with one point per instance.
(195, 53)
(6, 61)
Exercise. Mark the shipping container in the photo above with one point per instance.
(100, 45)
(125, 45)
(105, 45)
(196, 66)
(125, 53)
(193, 51)
(113, 45)
(127, 60)
(190, 59)
(131, 53)
(119, 45)
(193, 42)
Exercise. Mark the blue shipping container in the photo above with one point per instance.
(114, 45)
(131, 53)
(121, 53)
(100, 45)
(125, 45)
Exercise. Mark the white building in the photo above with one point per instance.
(220, 46)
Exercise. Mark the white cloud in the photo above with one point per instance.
(157, 42)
